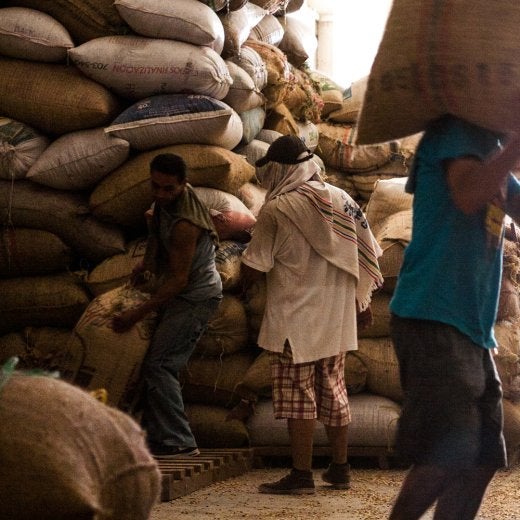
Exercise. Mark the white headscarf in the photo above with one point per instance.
(278, 178)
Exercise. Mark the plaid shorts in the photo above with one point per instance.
(313, 390)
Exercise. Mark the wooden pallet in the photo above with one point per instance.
(184, 475)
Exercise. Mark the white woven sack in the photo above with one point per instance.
(136, 67)
(243, 94)
(252, 122)
(79, 160)
(309, 134)
(253, 150)
(299, 41)
(28, 34)
(178, 119)
(253, 196)
(453, 57)
(20, 148)
(268, 30)
(189, 21)
(251, 61)
(238, 25)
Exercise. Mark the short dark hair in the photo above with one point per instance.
(169, 164)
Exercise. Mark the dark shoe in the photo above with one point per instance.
(172, 452)
(295, 483)
(338, 475)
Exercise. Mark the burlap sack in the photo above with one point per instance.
(299, 41)
(380, 327)
(280, 119)
(251, 194)
(135, 67)
(29, 252)
(254, 303)
(83, 20)
(29, 34)
(228, 261)
(507, 357)
(243, 94)
(185, 21)
(113, 361)
(210, 428)
(42, 348)
(212, 380)
(238, 25)
(116, 271)
(351, 103)
(79, 160)
(342, 180)
(20, 148)
(253, 64)
(303, 99)
(252, 122)
(289, 6)
(337, 148)
(66, 455)
(227, 330)
(271, 6)
(331, 92)
(57, 100)
(383, 368)
(279, 77)
(509, 301)
(268, 30)
(512, 431)
(26, 204)
(125, 194)
(456, 57)
(169, 119)
(56, 300)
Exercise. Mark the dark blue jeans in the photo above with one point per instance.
(180, 328)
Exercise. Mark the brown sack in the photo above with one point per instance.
(67, 456)
(453, 57)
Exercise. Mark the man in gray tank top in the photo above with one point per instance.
(180, 255)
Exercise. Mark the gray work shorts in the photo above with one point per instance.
(452, 409)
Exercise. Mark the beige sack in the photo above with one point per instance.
(243, 94)
(383, 368)
(57, 100)
(351, 103)
(227, 331)
(135, 67)
(79, 160)
(29, 252)
(83, 20)
(20, 148)
(189, 21)
(125, 194)
(228, 260)
(253, 64)
(53, 300)
(268, 30)
(26, 204)
(29, 34)
(507, 358)
(66, 455)
(112, 360)
(456, 57)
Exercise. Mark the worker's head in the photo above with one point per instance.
(286, 162)
(168, 177)
(287, 149)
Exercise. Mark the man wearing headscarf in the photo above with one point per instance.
(319, 257)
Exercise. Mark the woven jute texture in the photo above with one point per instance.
(455, 56)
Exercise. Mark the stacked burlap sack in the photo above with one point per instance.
(90, 92)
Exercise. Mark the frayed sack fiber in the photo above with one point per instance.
(57, 99)
(112, 360)
(454, 57)
(65, 455)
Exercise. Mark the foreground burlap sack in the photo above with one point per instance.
(65, 455)
(507, 357)
(57, 100)
(456, 56)
(111, 360)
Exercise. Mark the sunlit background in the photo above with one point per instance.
(349, 33)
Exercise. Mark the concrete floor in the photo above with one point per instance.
(370, 497)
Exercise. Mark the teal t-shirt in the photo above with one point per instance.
(452, 267)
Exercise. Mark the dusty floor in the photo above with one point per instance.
(369, 498)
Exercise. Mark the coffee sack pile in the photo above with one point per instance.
(86, 101)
